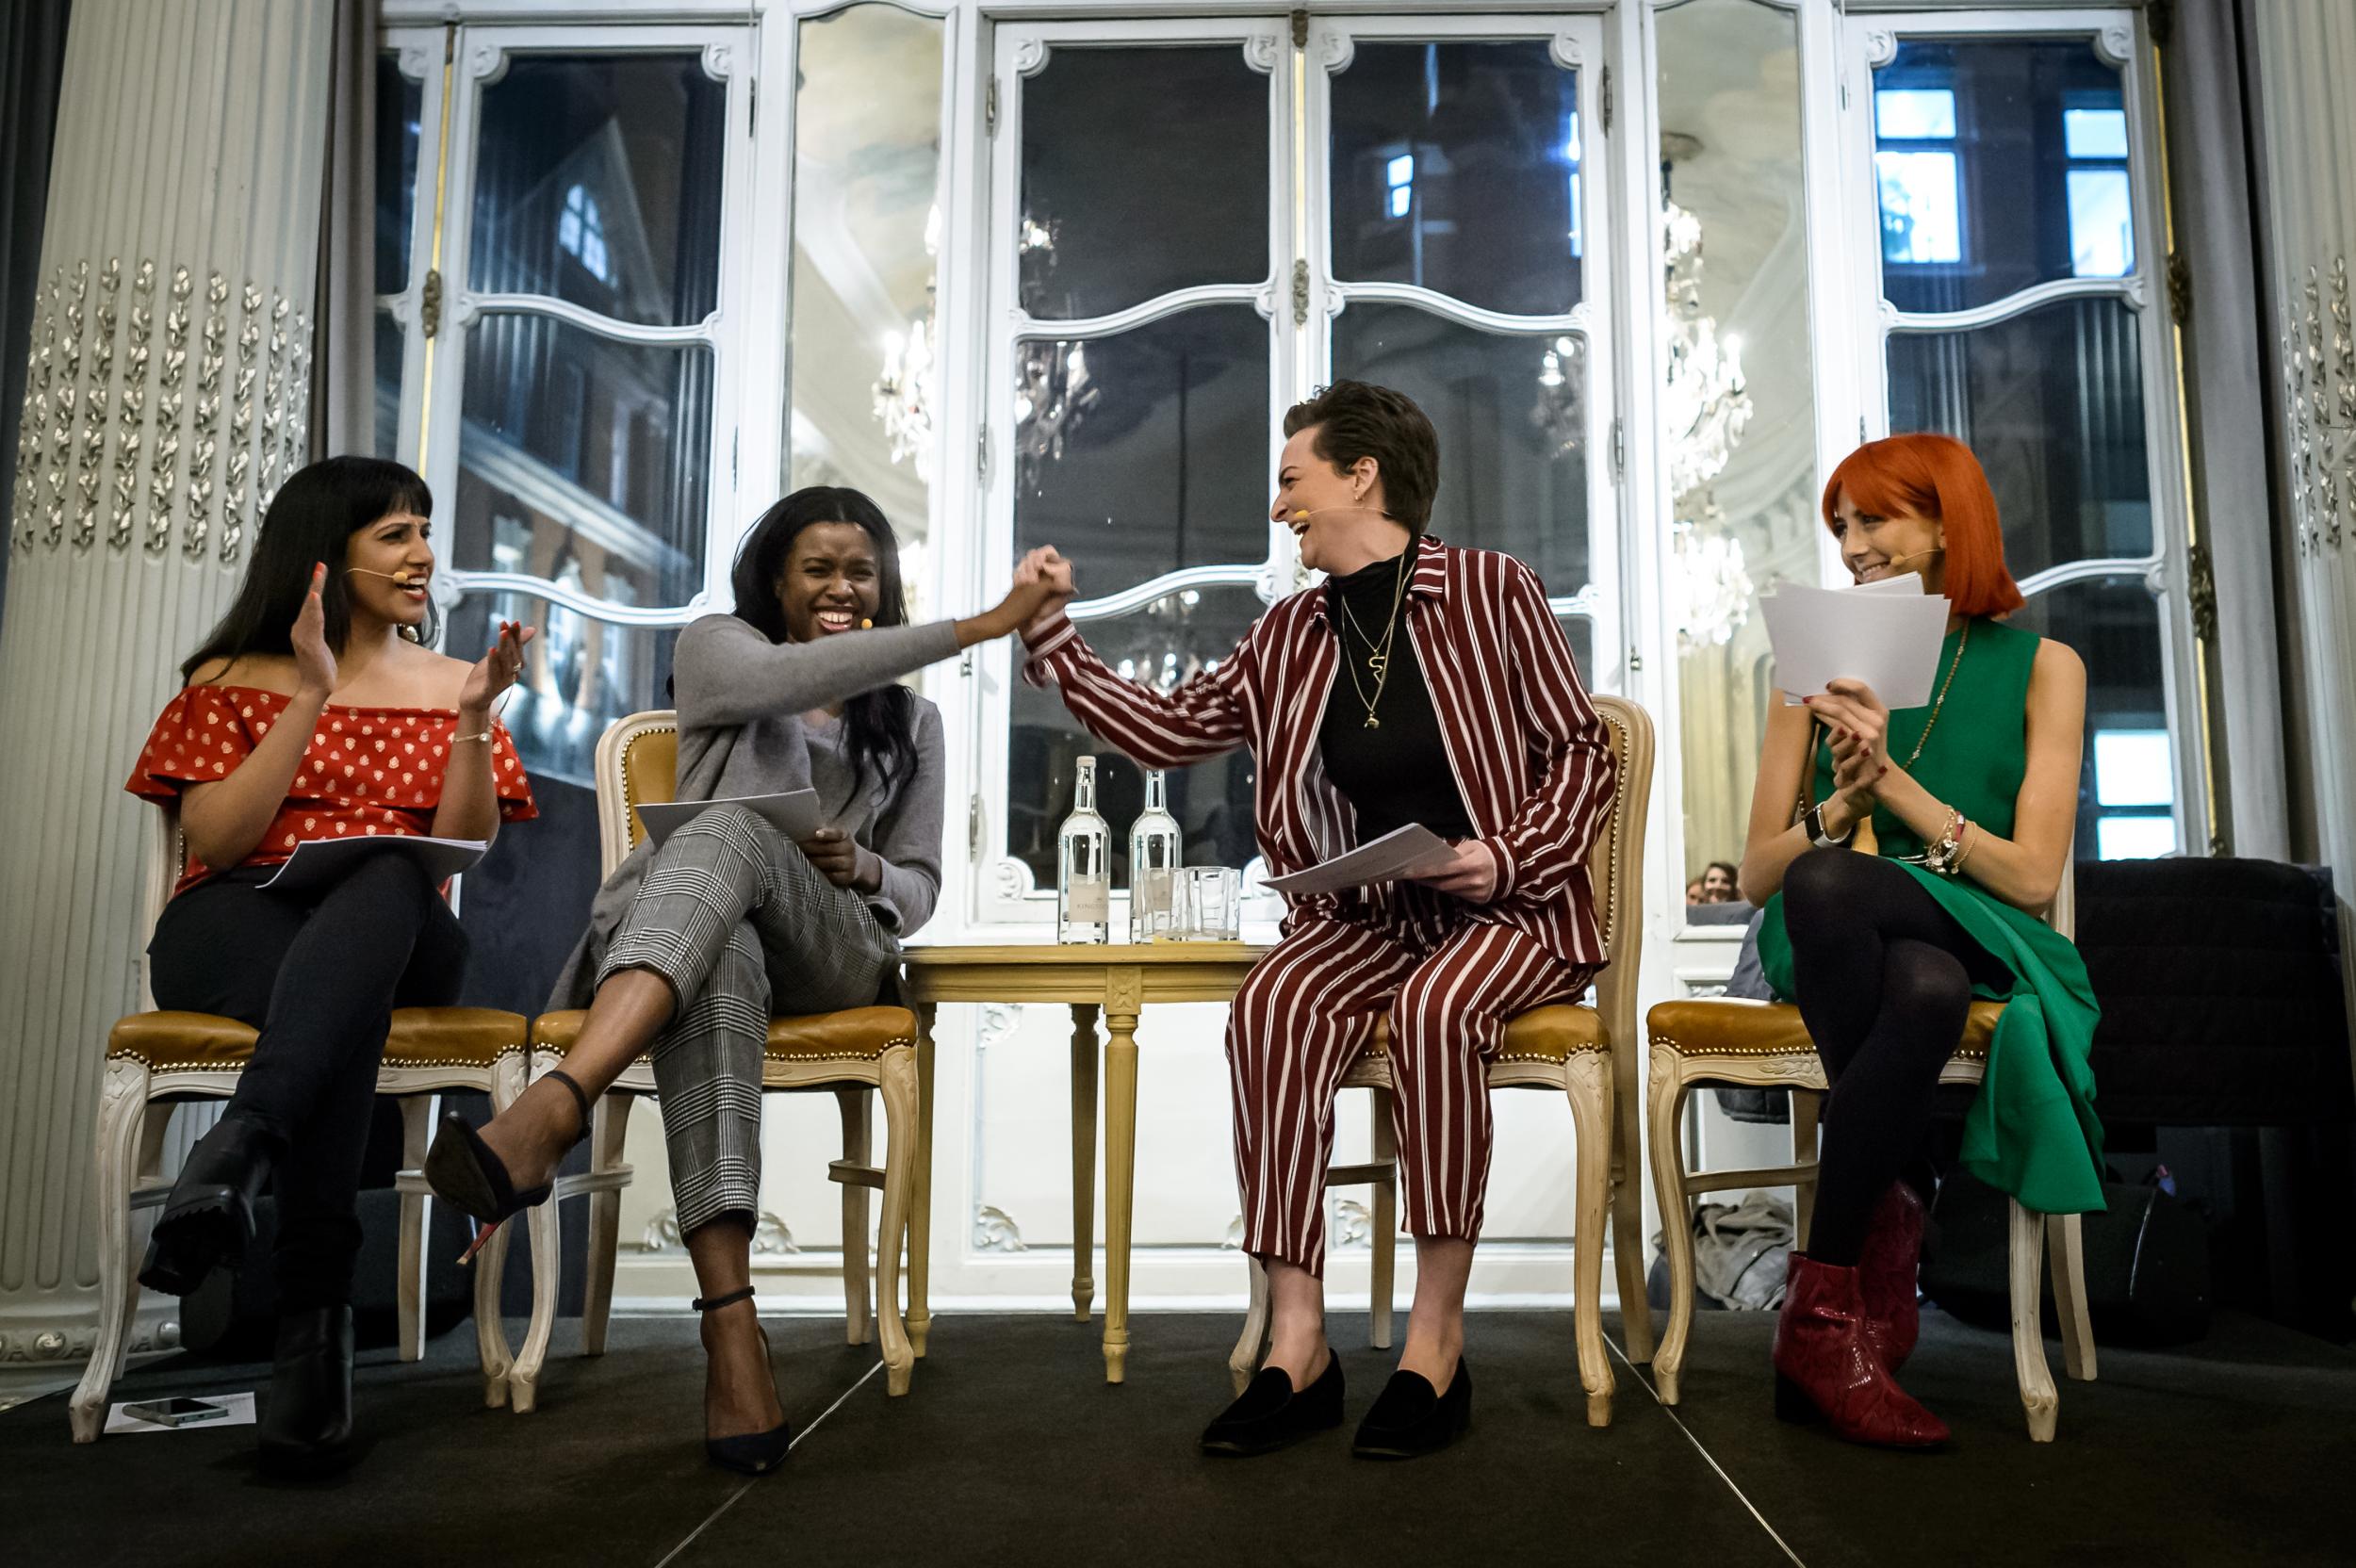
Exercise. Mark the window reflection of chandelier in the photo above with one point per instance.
(1558, 414)
(905, 393)
(1712, 586)
(1705, 404)
(1052, 385)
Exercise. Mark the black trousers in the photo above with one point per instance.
(319, 976)
(1885, 976)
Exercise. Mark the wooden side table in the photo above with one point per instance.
(1117, 980)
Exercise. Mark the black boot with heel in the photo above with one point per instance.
(207, 1221)
(306, 1424)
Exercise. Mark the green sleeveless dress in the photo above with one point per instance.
(2031, 1131)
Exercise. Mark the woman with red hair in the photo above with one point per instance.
(1905, 861)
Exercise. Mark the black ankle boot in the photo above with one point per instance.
(307, 1426)
(208, 1219)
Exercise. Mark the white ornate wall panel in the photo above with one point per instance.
(2306, 51)
(164, 405)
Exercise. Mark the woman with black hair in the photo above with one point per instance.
(315, 710)
(693, 944)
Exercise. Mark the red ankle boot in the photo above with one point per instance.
(1823, 1364)
(1886, 1270)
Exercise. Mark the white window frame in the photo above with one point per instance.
(2117, 37)
(1003, 891)
(434, 369)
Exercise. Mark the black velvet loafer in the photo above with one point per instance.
(1411, 1419)
(1271, 1414)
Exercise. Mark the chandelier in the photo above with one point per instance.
(1559, 415)
(1705, 403)
(905, 394)
(1711, 590)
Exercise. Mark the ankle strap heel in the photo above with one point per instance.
(709, 1303)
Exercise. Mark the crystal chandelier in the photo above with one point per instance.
(1052, 392)
(1711, 590)
(1559, 415)
(1705, 404)
(906, 392)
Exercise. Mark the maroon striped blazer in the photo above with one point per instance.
(1532, 758)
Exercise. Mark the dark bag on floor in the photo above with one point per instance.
(2147, 1261)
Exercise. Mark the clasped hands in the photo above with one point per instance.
(1863, 773)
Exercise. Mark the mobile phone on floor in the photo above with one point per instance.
(176, 1412)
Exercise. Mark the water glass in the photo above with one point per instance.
(1207, 905)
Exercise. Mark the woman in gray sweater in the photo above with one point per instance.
(694, 943)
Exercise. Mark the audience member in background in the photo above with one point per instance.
(1721, 883)
(1338, 692)
(316, 711)
(693, 944)
(1905, 861)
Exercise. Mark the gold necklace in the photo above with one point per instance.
(1922, 738)
(1378, 658)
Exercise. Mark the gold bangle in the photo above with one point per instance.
(485, 737)
(1965, 842)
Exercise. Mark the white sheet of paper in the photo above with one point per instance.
(319, 863)
(794, 814)
(1399, 853)
(240, 1406)
(1888, 639)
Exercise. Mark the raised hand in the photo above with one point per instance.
(315, 662)
(497, 670)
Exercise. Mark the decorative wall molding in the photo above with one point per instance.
(89, 354)
(2319, 405)
(995, 1231)
(72, 1342)
(771, 1237)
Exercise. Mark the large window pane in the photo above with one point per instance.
(1511, 413)
(1144, 170)
(400, 107)
(597, 181)
(1144, 452)
(1982, 149)
(1165, 644)
(1739, 406)
(866, 217)
(2127, 789)
(2052, 402)
(1456, 167)
(580, 675)
(582, 453)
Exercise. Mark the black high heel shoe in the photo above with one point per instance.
(1270, 1414)
(306, 1427)
(208, 1219)
(1411, 1418)
(461, 1170)
(747, 1453)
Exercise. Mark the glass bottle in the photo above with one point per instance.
(1154, 861)
(1084, 883)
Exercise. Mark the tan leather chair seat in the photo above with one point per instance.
(860, 1033)
(422, 1037)
(1549, 1033)
(1720, 1026)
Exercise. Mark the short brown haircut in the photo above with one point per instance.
(1357, 418)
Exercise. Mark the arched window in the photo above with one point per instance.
(578, 231)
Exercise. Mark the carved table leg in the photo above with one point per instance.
(1083, 1158)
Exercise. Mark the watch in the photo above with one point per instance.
(1815, 825)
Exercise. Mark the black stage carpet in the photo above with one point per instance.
(1010, 1449)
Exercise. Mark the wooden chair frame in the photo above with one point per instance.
(1599, 1084)
(131, 1183)
(623, 785)
(1674, 1072)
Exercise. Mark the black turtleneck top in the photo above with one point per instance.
(1398, 771)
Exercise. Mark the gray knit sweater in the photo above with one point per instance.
(741, 698)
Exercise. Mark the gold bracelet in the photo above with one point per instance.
(1965, 843)
(455, 740)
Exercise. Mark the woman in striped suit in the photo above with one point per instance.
(1505, 757)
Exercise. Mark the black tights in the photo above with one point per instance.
(1885, 976)
(319, 976)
